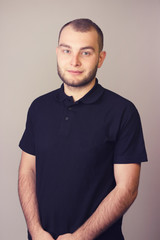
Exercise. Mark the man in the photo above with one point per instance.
(82, 148)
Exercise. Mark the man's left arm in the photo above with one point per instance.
(113, 206)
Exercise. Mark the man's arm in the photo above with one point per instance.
(114, 205)
(28, 199)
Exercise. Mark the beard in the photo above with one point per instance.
(83, 82)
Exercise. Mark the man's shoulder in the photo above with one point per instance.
(44, 102)
(117, 104)
(115, 98)
(46, 98)
(118, 107)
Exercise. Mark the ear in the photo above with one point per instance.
(102, 56)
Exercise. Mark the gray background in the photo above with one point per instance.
(29, 30)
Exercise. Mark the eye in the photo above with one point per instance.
(66, 51)
(86, 53)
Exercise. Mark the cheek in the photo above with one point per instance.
(61, 62)
(92, 64)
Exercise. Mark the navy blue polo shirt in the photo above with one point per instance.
(76, 145)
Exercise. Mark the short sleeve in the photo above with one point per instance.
(27, 143)
(130, 146)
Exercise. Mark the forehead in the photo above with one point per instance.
(75, 38)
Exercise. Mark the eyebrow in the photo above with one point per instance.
(64, 45)
(83, 48)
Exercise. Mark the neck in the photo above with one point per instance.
(78, 92)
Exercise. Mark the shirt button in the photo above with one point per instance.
(66, 118)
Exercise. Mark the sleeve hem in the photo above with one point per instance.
(26, 150)
(125, 160)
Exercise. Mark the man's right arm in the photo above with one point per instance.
(28, 199)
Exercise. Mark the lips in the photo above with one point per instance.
(75, 72)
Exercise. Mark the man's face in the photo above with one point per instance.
(78, 57)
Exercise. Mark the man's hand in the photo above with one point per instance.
(67, 236)
(42, 235)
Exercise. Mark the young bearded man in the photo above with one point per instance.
(81, 150)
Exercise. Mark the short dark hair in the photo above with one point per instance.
(85, 25)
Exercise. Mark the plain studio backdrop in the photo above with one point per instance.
(29, 31)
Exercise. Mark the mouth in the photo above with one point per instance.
(75, 72)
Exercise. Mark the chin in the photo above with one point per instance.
(77, 83)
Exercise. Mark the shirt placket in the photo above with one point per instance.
(67, 119)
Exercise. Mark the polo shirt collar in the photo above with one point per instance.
(92, 96)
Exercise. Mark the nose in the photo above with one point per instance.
(75, 61)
